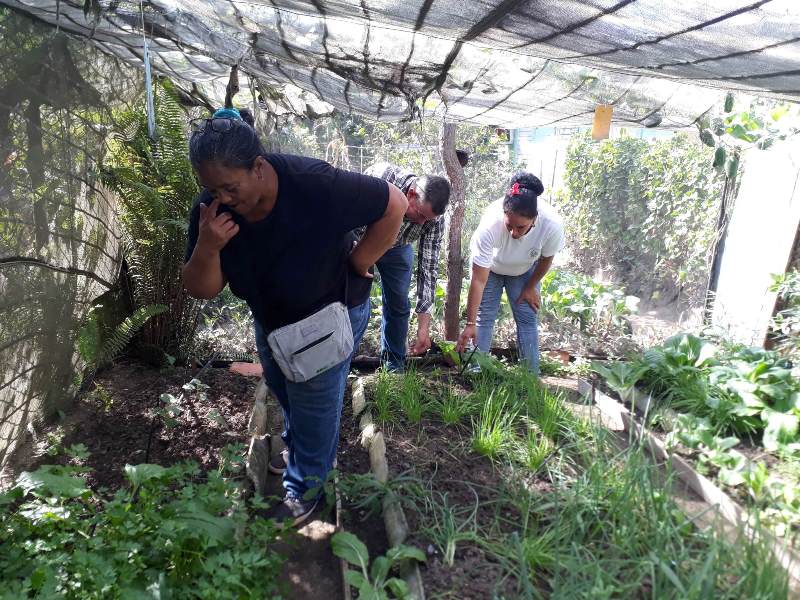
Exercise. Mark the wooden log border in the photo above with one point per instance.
(730, 510)
(394, 519)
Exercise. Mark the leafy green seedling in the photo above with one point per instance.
(373, 582)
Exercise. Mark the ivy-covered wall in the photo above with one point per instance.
(59, 243)
(643, 212)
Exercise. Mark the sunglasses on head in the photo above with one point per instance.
(218, 124)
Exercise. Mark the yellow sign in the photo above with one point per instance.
(602, 122)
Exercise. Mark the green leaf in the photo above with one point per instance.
(138, 474)
(719, 158)
(79, 451)
(727, 443)
(399, 588)
(197, 520)
(706, 353)
(398, 553)
(379, 570)
(38, 577)
(730, 477)
(740, 133)
(50, 479)
(765, 143)
(779, 112)
(707, 138)
(781, 428)
(367, 592)
(347, 546)
(355, 578)
(728, 102)
(670, 575)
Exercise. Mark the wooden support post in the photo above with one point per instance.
(455, 267)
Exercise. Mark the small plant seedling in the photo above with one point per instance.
(453, 407)
(215, 417)
(373, 581)
(448, 524)
(171, 409)
(411, 397)
(536, 448)
(384, 398)
(103, 396)
(54, 440)
(493, 429)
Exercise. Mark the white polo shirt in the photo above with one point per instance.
(492, 245)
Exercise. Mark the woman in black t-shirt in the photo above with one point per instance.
(275, 228)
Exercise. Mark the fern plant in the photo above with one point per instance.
(98, 348)
(156, 188)
(125, 331)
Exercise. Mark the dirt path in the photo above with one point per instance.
(311, 571)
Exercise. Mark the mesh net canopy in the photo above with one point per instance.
(510, 63)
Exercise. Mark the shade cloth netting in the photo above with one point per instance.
(509, 62)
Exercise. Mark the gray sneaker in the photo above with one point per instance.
(292, 511)
(277, 464)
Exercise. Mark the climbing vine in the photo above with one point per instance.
(644, 212)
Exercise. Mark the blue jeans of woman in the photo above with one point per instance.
(526, 319)
(311, 411)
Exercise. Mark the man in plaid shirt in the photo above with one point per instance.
(428, 196)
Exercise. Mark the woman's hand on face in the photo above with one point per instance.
(467, 336)
(215, 230)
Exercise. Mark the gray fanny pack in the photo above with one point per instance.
(312, 346)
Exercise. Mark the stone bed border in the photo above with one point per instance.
(394, 518)
(708, 491)
(397, 531)
(258, 455)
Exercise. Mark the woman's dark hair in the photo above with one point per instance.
(522, 193)
(232, 142)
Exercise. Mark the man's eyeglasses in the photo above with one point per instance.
(219, 124)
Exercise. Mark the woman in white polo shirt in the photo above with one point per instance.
(512, 248)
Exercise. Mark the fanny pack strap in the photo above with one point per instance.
(346, 278)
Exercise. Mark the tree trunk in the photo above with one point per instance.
(455, 268)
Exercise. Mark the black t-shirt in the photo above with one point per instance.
(294, 261)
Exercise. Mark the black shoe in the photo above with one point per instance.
(277, 464)
(292, 511)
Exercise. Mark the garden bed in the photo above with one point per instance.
(731, 411)
(562, 512)
(540, 503)
(739, 516)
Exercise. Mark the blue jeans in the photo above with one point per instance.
(524, 316)
(311, 411)
(395, 270)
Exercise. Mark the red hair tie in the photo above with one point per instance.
(514, 191)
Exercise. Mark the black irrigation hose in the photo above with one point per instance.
(466, 364)
(155, 407)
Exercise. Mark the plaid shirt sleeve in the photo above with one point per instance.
(430, 244)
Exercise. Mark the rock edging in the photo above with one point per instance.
(394, 518)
